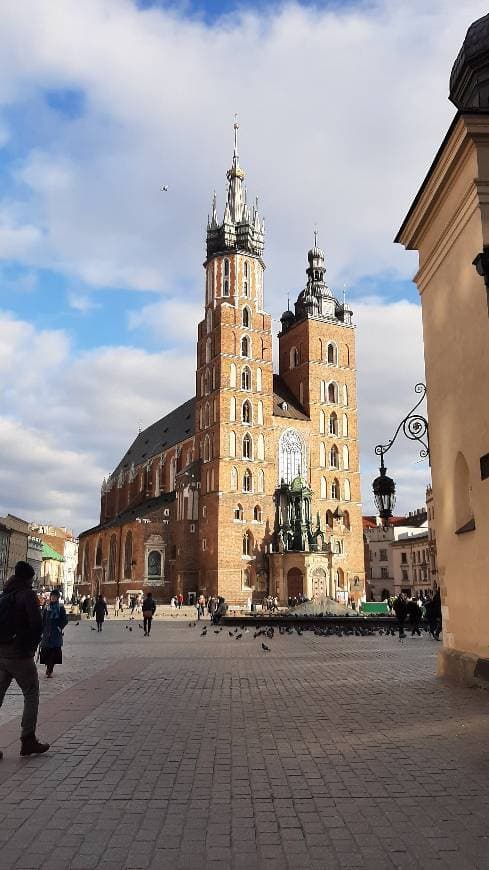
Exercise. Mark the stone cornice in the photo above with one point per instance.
(467, 131)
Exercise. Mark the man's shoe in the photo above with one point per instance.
(31, 746)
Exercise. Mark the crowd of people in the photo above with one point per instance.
(414, 609)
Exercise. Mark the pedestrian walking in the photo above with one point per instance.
(20, 633)
(54, 620)
(400, 609)
(100, 611)
(116, 605)
(149, 608)
(415, 613)
(180, 600)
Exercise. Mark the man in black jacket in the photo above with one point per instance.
(17, 653)
(400, 609)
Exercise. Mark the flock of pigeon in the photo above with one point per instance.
(269, 632)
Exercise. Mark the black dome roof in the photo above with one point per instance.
(469, 79)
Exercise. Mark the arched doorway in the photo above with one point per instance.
(295, 583)
(319, 583)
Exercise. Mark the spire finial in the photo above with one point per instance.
(236, 128)
(315, 236)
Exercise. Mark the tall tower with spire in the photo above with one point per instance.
(234, 396)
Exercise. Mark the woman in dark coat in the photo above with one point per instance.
(100, 612)
(54, 620)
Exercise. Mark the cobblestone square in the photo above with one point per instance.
(182, 751)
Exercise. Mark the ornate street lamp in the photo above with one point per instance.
(414, 427)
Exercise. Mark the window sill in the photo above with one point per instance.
(467, 527)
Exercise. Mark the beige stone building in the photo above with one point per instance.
(396, 561)
(253, 486)
(448, 224)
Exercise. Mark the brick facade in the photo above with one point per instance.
(216, 460)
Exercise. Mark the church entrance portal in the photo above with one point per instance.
(295, 584)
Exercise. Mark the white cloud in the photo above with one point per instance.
(332, 104)
(81, 302)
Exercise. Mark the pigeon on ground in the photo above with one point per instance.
(77, 623)
(238, 636)
(190, 625)
(203, 633)
(265, 648)
(216, 631)
(92, 628)
(140, 626)
(230, 634)
(130, 628)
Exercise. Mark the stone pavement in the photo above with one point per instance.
(184, 752)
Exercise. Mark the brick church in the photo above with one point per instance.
(252, 487)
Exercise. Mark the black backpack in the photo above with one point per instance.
(8, 627)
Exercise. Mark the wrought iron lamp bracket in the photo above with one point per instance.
(414, 427)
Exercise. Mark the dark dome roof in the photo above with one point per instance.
(287, 315)
(469, 79)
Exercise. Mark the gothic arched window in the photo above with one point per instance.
(258, 380)
(323, 490)
(232, 375)
(346, 457)
(98, 554)
(257, 513)
(246, 317)
(334, 459)
(225, 281)
(333, 393)
(247, 446)
(232, 443)
(259, 412)
(128, 556)
(260, 451)
(332, 354)
(246, 286)
(246, 414)
(247, 544)
(329, 519)
(247, 481)
(232, 409)
(245, 346)
(335, 489)
(112, 567)
(208, 320)
(321, 422)
(294, 357)
(333, 424)
(246, 379)
(345, 426)
(261, 481)
(346, 520)
(234, 479)
(238, 512)
(292, 456)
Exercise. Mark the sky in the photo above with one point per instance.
(342, 107)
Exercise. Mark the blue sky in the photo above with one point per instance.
(101, 280)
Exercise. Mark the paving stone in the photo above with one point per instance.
(197, 754)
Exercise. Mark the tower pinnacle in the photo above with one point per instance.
(242, 228)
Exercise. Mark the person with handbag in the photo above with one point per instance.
(149, 608)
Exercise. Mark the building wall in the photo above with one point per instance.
(18, 537)
(449, 225)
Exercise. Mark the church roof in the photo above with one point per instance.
(160, 436)
(284, 402)
(132, 514)
(180, 424)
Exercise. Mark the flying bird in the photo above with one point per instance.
(164, 188)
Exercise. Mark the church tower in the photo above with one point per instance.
(317, 363)
(234, 391)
